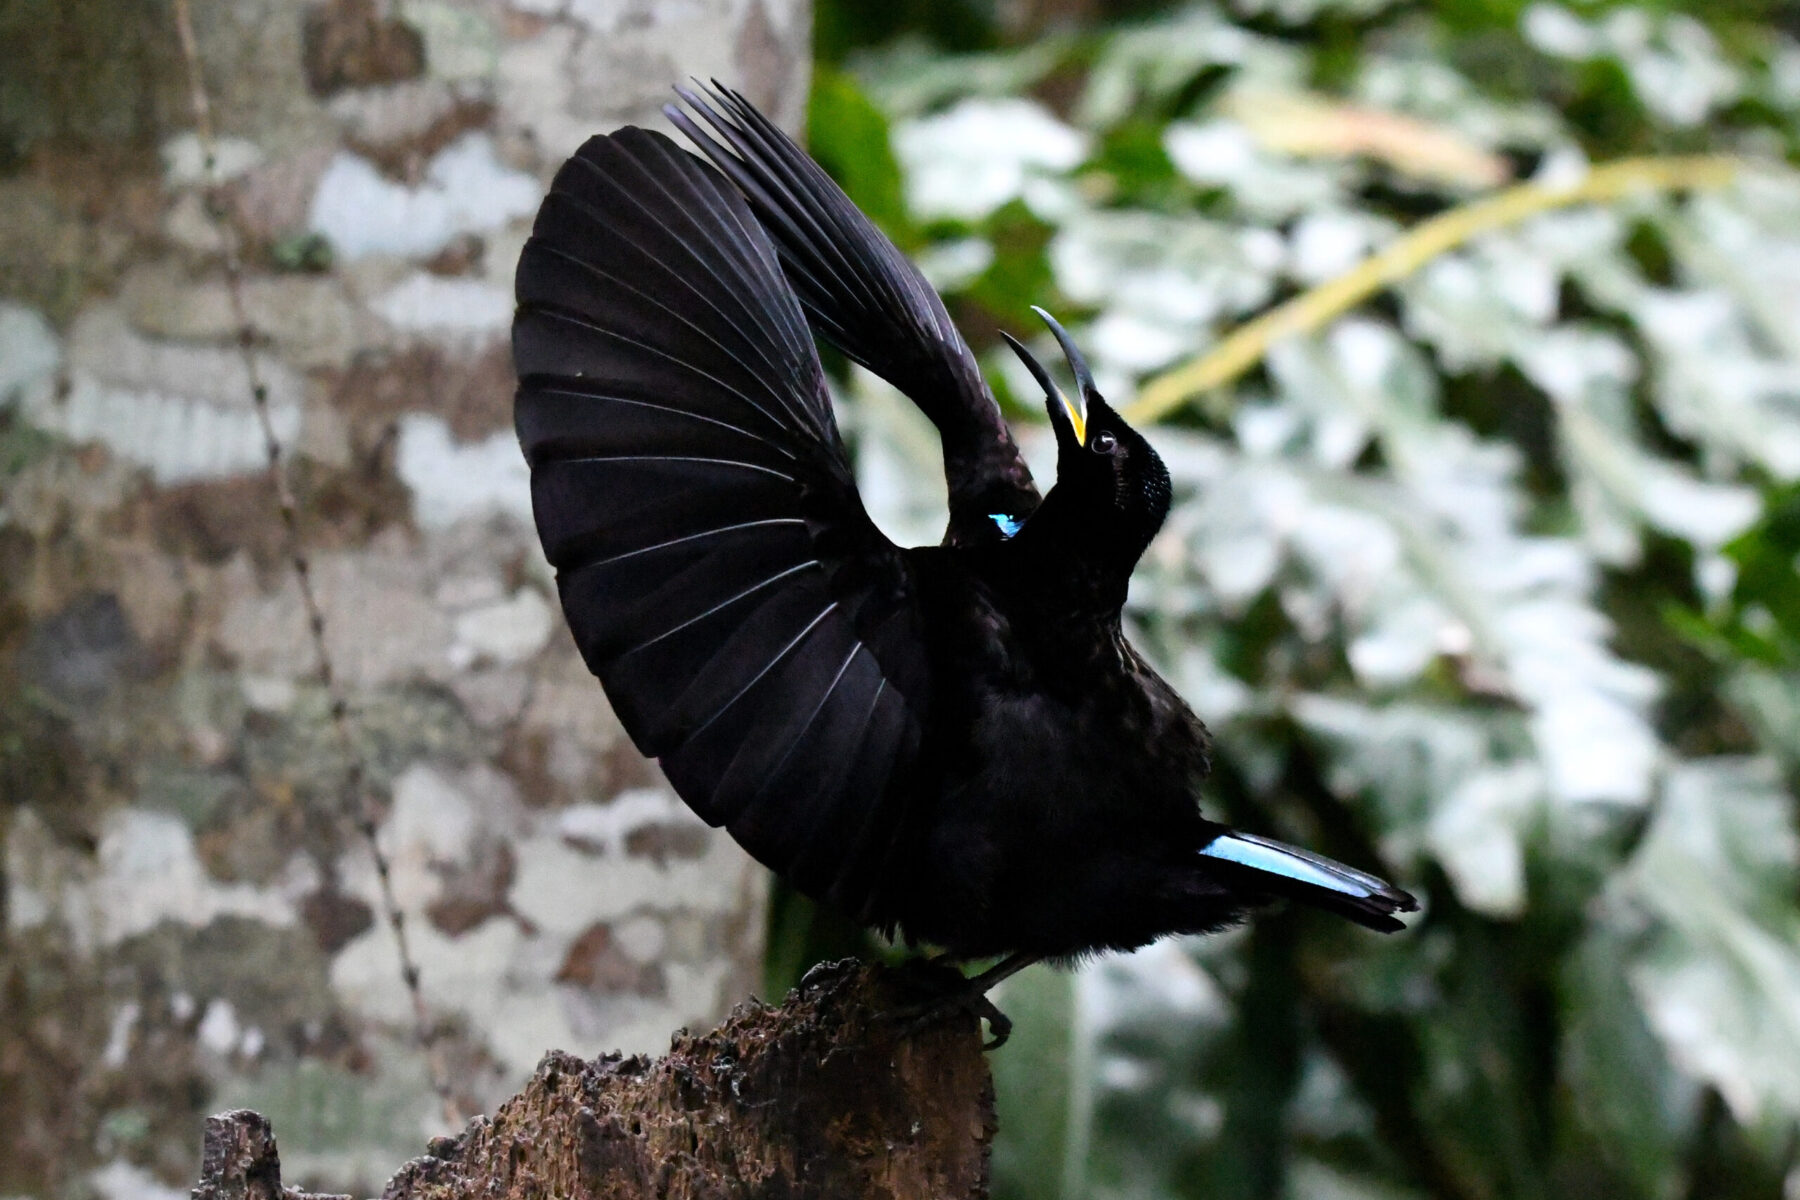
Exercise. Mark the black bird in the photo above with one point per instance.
(954, 743)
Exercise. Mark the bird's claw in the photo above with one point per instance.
(955, 994)
(920, 1017)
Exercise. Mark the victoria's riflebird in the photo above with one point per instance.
(952, 743)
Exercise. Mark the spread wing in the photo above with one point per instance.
(866, 298)
(752, 627)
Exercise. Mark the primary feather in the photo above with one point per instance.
(712, 556)
(866, 298)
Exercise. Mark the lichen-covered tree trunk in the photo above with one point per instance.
(825, 1098)
(188, 921)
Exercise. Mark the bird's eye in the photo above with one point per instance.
(1104, 443)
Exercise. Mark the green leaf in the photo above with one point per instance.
(303, 251)
(1621, 1087)
(801, 934)
(1720, 981)
(1770, 702)
(848, 136)
(1132, 158)
(1020, 273)
(1455, 555)
(1039, 1080)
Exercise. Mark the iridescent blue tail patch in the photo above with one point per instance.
(1291, 862)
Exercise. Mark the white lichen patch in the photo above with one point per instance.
(218, 1030)
(459, 593)
(601, 829)
(544, 891)
(466, 310)
(637, 1025)
(184, 160)
(177, 438)
(534, 87)
(641, 937)
(451, 481)
(119, 1034)
(461, 42)
(466, 189)
(269, 694)
(146, 872)
(376, 116)
(310, 319)
(508, 631)
(432, 821)
(29, 352)
(501, 974)
(602, 16)
(183, 411)
(440, 820)
(379, 629)
(120, 1180)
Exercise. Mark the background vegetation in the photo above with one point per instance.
(1490, 583)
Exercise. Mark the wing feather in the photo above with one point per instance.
(865, 297)
(750, 625)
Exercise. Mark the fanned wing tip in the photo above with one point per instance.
(754, 631)
(865, 297)
(701, 99)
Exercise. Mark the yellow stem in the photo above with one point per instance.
(1312, 310)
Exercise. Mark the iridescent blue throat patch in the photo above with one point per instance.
(1009, 525)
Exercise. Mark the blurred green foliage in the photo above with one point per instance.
(848, 136)
(1493, 585)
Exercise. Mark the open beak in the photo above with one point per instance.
(1075, 410)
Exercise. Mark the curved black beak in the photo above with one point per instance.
(1084, 378)
(1075, 411)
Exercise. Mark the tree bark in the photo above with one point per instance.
(828, 1096)
(188, 907)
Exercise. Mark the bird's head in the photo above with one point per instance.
(1112, 484)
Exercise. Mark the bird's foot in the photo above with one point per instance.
(943, 993)
(920, 1017)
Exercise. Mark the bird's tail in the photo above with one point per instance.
(1284, 870)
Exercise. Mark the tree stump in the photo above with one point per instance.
(824, 1097)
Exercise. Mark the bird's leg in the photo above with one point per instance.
(957, 993)
(1001, 971)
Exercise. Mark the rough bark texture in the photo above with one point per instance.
(239, 1161)
(823, 1097)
